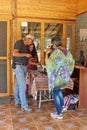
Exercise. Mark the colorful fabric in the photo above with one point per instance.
(32, 66)
(59, 69)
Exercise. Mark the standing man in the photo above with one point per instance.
(20, 60)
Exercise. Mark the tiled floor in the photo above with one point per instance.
(12, 118)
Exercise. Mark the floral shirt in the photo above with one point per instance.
(59, 68)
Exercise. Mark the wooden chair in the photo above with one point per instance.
(43, 93)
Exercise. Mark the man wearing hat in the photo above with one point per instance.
(20, 60)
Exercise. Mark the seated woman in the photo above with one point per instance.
(32, 63)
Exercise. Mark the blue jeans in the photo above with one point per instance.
(19, 92)
(58, 99)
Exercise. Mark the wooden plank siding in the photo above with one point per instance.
(6, 8)
(63, 9)
(82, 6)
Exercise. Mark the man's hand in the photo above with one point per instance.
(28, 55)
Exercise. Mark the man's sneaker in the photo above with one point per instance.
(26, 109)
(64, 109)
(56, 116)
(18, 105)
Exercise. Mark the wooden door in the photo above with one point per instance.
(4, 58)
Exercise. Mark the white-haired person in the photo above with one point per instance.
(20, 61)
(59, 65)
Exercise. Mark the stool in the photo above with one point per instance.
(43, 96)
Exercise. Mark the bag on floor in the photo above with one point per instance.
(71, 101)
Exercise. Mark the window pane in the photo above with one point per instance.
(3, 38)
(3, 76)
(33, 28)
(69, 36)
(52, 29)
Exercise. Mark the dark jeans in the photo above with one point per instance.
(58, 99)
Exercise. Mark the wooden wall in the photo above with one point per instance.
(57, 9)
(63, 9)
(82, 6)
(6, 8)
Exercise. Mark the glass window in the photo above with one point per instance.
(68, 36)
(52, 29)
(3, 76)
(33, 28)
(3, 38)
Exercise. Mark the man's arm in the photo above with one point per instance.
(18, 54)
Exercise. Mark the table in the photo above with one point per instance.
(39, 85)
(82, 85)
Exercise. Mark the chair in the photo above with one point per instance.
(43, 93)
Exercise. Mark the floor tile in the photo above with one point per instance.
(12, 118)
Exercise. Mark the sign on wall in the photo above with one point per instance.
(83, 35)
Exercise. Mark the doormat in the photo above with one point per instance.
(5, 100)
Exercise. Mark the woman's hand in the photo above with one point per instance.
(48, 51)
(33, 59)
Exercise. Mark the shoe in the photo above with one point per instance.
(26, 109)
(18, 105)
(56, 116)
(64, 109)
(53, 114)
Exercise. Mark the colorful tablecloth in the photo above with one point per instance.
(34, 79)
(38, 78)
